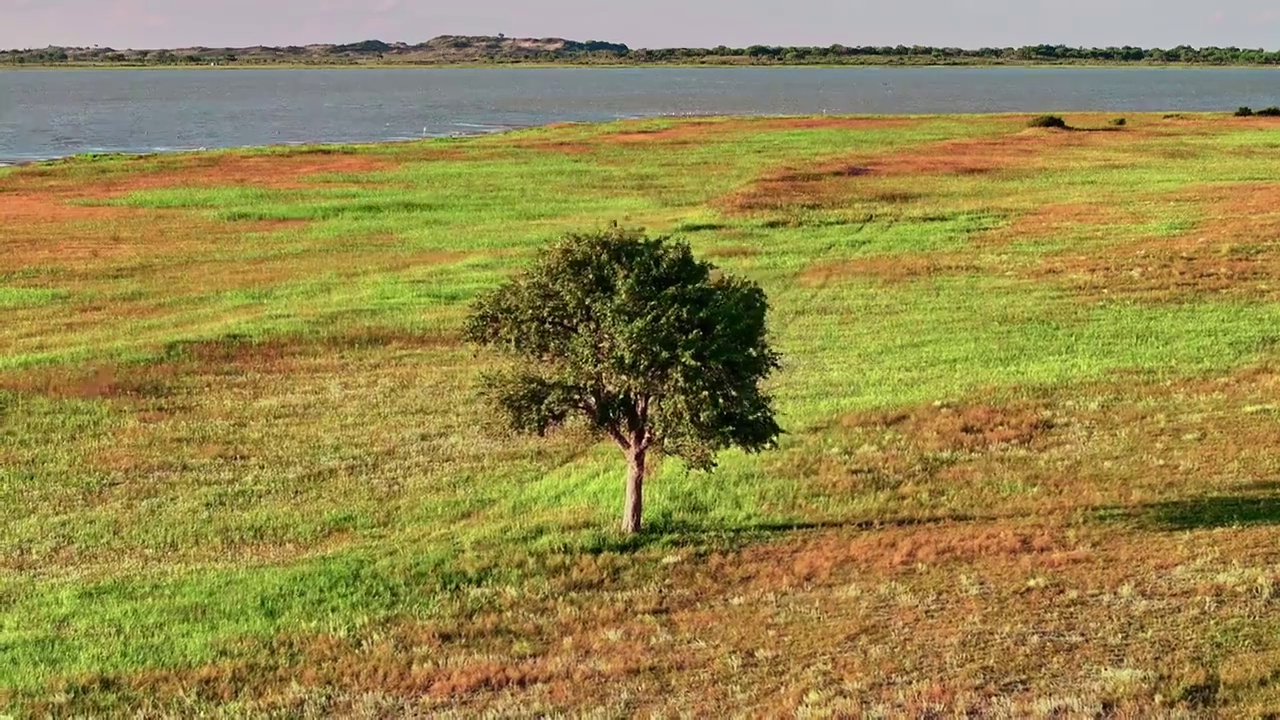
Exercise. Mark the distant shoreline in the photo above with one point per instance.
(13, 162)
(503, 51)
(634, 66)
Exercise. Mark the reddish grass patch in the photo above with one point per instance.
(103, 382)
(1236, 209)
(964, 428)
(295, 171)
(243, 350)
(41, 229)
(1049, 219)
(840, 182)
(397, 665)
(1235, 251)
(979, 156)
(930, 618)
(377, 256)
(1178, 124)
(552, 145)
(232, 355)
(279, 172)
(21, 209)
(833, 557)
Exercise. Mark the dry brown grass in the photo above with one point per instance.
(967, 428)
(558, 146)
(282, 172)
(840, 183)
(888, 268)
(42, 229)
(1051, 219)
(191, 361)
(902, 620)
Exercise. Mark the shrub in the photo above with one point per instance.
(1244, 111)
(1048, 121)
(1272, 111)
(1119, 122)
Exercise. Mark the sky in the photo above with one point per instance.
(643, 23)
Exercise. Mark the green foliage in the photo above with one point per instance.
(1246, 111)
(1048, 121)
(638, 338)
(1119, 122)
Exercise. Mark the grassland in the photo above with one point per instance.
(1030, 388)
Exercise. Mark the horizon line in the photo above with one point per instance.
(656, 47)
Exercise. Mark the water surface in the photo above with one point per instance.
(53, 113)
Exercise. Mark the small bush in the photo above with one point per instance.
(1272, 111)
(1244, 111)
(1119, 122)
(1048, 121)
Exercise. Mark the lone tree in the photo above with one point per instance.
(638, 339)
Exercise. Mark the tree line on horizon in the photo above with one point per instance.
(501, 49)
(1027, 53)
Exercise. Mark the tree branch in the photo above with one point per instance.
(619, 437)
(640, 428)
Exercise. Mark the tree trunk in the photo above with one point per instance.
(634, 509)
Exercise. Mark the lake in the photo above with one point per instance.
(54, 113)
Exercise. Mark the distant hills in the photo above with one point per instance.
(472, 50)
(443, 50)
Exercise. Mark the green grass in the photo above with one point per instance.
(221, 436)
(12, 298)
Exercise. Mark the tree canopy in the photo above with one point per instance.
(639, 340)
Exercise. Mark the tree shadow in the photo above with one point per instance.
(695, 529)
(686, 531)
(1256, 505)
(684, 534)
